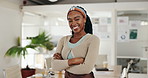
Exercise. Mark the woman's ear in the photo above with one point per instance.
(84, 21)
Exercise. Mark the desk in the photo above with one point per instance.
(114, 73)
(97, 74)
(105, 74)
(57, 75)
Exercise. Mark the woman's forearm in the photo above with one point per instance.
(75, 61)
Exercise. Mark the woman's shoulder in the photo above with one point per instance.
(92, 37)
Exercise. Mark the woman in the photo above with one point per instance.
(77, 53)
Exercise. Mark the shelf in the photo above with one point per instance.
(142, 58)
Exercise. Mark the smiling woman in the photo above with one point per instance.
(77, 53)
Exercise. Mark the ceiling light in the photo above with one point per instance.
(53, 0)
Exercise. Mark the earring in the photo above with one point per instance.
(84, 23)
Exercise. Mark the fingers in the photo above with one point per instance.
(57, 56)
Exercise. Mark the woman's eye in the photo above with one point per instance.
(77, 19)
(69, 21)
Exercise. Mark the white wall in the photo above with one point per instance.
(10, 29)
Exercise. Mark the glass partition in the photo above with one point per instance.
(132, 39)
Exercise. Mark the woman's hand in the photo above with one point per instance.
(57, 56)
(75, 61)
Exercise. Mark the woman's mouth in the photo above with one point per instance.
(75, 28)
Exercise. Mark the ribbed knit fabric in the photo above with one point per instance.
(88, 49)
(72, 45)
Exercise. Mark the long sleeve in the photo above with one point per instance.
(59, 64)
(90, 58)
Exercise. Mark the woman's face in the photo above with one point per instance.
(76, 21)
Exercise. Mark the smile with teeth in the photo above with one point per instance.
(75, 28)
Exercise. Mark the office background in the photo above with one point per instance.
(11, 26)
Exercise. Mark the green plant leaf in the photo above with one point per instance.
(41, 40)
(14, 51)
(49, 45)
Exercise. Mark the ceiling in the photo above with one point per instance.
(43, 2)
(49, 2)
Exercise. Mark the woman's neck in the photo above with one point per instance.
(79, 35)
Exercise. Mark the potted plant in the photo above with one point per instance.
(40, 41)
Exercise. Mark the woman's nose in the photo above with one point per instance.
(74, 23)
